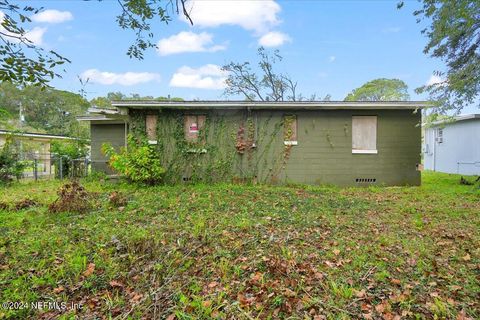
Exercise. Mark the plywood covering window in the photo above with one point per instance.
(193, 126)
(364, 134)
(151, 127)
(290, 130)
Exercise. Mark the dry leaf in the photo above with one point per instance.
(116, 284)
(466, 257)
(336, 252)
(361, 293)
(58, 290)
(90, 269)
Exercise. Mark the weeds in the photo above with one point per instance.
(240, 251)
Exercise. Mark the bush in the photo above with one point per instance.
(10, 164)
(68, 150)
(140, 163)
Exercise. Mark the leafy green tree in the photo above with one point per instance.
(10, 162)
(46, 110)
(380, 90)
(453, 36)
(23, 63)
(105, 102)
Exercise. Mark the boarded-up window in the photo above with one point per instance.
(290, 130)
(193, 126)
(151, 126)
(364, 134)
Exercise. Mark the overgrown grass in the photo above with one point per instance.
(246, 252)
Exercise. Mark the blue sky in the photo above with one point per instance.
(329, 47)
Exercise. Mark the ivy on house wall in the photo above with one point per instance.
(231, 146)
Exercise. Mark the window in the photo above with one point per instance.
(364, 134)
(193, 125)
(290, 130)
(151, 127)
(440, 135)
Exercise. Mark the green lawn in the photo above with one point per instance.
(245, 252)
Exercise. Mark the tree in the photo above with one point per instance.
(24, 63)
(454, 37)
(21, 61)
(263, 84)
(45, 110)
(106, 102)
(380, 90)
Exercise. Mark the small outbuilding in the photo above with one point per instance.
(314, 142)
(39, 146)
(453, 145)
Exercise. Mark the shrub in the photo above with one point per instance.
(10, 164)
(139, 163)
(72, 197)
(68, 150)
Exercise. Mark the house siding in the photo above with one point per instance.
(460, 150)
(324, 151)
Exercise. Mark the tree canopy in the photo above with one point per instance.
(45, 110)
(24, 63)
(105, 102)
(454, 37)
(380, 90)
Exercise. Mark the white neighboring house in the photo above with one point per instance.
(453, 146)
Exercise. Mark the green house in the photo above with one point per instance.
(340, 143)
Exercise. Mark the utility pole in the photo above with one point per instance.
(21, 115)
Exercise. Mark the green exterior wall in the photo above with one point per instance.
(112, 133)
(323, 154)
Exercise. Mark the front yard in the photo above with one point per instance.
(243, 252)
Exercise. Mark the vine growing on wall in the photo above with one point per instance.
(228, 148)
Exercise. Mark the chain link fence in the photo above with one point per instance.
(52, 166)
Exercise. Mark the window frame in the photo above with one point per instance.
(190, 136)
(365, 150)
(151, 132)
(291, 142)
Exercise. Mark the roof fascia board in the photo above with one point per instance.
(269, 106)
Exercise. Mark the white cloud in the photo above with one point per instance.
(36, 35)
(332, 58)
(187, 41)
(52, 16)
(248, 14)
(209, 76)
(434, 79)
(124, 79)
(274, 39)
